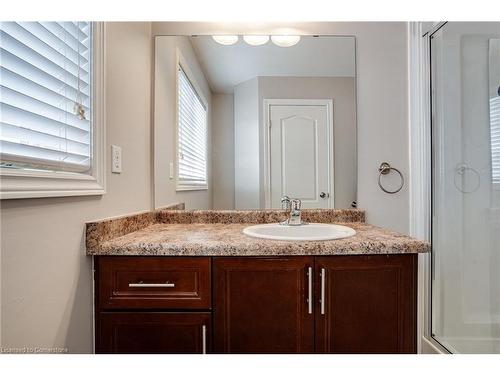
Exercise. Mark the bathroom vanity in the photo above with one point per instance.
(192, 282)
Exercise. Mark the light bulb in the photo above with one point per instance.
(256, 40)
(225, 40)
(285, 40)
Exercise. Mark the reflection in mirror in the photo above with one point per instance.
(239, 125)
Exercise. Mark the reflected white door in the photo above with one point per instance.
(301, 153)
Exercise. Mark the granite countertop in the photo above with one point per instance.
(219, 233)
(228, 240)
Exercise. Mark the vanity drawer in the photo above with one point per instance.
(153, 282)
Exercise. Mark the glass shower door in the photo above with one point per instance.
(465, 80)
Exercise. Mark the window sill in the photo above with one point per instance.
(18, 184)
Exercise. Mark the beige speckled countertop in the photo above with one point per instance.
(219, 233)
(228, 240)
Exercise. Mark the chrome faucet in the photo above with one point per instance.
(293, 208)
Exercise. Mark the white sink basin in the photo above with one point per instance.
(307, 232)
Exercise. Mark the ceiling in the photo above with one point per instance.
(227, 66)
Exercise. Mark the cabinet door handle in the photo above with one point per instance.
(145, 285)
(204, 339)
(323, 276)
(309, 290)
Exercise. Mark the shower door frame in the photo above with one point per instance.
(420, 110)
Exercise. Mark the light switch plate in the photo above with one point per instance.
(116, 159)
(171, 165)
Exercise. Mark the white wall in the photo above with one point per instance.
(382, 102)
(342, 90)
(223, 151)
(246, 145)
(165, 71)
(46, 277)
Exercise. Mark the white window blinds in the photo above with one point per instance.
(495, 139)
(45, 95)
(192, 136)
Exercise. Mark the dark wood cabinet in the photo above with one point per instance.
(369, 304)
(154, 332)
(299, 304)
(153, 304)
(261, 305)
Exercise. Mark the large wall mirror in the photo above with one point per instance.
(241, 121)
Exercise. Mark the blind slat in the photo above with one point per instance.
(22, 85)
(32, 73)
(30, 134)
(190, 122)
(190, 154)
(191, 167)
(20, 149)
(187, 154)
(192, 142)
(34, 162)
(60, 55)
(43, 109)
(17, 116)
(57, 30)
(42, 62)
(60, 42)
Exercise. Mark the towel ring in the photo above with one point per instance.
(461, 170)
(385, 168)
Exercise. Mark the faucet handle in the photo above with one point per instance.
(286, 202)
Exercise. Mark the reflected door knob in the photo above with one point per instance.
(324, 195)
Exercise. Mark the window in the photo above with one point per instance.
(50, 119)
(191, 134)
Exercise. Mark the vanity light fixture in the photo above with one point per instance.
(256, 40)
(285, 40)
(226, 40)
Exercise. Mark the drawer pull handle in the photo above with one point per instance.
(145, 285)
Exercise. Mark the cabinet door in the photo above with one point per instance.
(369, 304)
(153, 332)
(261, 305)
